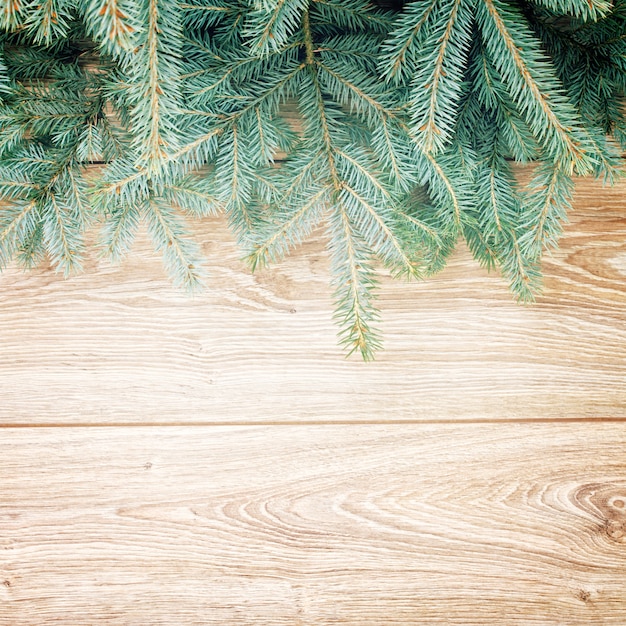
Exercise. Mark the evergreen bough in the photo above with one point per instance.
(410, 117)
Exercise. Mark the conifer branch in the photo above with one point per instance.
(549, 199)
(31, 251)
(585, 9)
(48, 20)
(522, 271)
(507, 52)
(429, 130)
(154, 142)
(63, 246)
(359, 94)
(18, 221)
(271, 26)
(154, 95)
(196, 201)
(448, 186)
(292, 229)
(438, 81)
(381, 236)
(196, 145)
(356, 14)
(366, 173)
(428, 230)
(12, 14)
(113, 23)
(353, 280)
(404, 41)
(119, 232)
(181, 254)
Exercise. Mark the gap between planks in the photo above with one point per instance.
(292, 423)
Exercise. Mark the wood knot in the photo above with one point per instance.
(607, 503)
(616, 530)
(6, 583)
(584, 596)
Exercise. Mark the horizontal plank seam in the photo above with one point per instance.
(401, 422)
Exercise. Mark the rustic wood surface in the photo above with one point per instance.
(167, 461)
(121, 344)
(323, 524)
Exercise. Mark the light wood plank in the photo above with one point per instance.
(122, 345)
(448, 524)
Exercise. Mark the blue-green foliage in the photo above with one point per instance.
(393, 130)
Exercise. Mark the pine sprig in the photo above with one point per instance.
(154, 93)
(342, 184)
(354, 282)
(47, 20)
(114, 24)
(533, 86)
(169, 234)
(438, 79)
(270, 26)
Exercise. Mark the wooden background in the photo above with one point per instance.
(167, 461)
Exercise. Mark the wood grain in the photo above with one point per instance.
(283, 490)
(120, 344)
(443, 524)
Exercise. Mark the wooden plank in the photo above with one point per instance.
(120, 344)
(448, 524)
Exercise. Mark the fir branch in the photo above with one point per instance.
(290, 227)
(363, 170)
(119, 231)
(233, 174)
(41, 134)
(393, 145)
(522, 271)
(199, 149)
(154, 95)
(532, 85)
(181, 255)
(270, 26)
(356, 97)
(89, 146)
(5, 82)
(584, 9)
(194, 195)
(376, 225)
(354, 282)
(339, 181)
(205, 14)
(438, 80)
(113, 23)
(399, 52)
(489, 96)
(351, 16)
(501, 210)
(12, 14)
(32, 249)
(17, 223)
(548, 199)
(62, 240)
(442, 186)
(48, 20)
(26, 62)
(121, 184)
